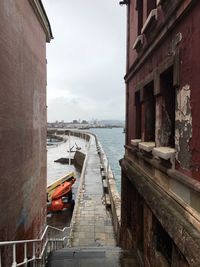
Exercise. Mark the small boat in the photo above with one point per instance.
(59, 205)
(51, 187)
(59, 193)
(63, 189)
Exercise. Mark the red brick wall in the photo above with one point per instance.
(189, 68)
(22, 122)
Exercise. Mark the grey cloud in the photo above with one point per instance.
(86, 60)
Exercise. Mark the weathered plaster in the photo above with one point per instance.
(183, 132)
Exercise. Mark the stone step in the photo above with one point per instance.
(91, 256)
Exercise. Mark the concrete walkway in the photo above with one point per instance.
(93, 242)
(93, 225)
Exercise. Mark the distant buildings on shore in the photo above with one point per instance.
(77, 124)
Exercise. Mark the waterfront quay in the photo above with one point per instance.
(93, 232)
(93, 222)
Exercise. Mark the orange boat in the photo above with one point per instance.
(51, 187)
(61, 195)
(63, 189)
(60, 204)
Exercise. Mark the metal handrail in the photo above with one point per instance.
(32, 240)
(47, 244)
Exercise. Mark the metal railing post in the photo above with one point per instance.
(14, 263)
(34, 256)
(25, 254)
(0, 257)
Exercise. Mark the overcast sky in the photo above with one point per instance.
(86, 59)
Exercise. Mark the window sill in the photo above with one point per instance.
(164, 152)
(152, 18)
(135, 142)
(147, 146)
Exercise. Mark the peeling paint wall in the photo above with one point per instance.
(183, 132)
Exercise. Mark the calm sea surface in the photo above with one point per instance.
(113, 141)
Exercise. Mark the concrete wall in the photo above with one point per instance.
(113, 194)
(79, 158)
(22, 122)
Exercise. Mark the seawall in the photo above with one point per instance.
(115, 200)
(111, 194)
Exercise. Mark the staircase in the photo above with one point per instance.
(91, 257)
(34, 251)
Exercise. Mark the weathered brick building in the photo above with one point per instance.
(161, 167)
(25, 29)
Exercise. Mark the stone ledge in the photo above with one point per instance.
(138, 42)
(164, 152)
(152, 18)
(135, 142)
(170, 213)
(147, 146)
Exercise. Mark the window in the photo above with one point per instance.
(164, 243)
(137, 115)
(139, 8)
(149, 112)
(168, 109)
(129, 204)
(140, 224)
(151, 4)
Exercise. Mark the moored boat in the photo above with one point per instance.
(63, 189)
(51, 187)
(59, 193)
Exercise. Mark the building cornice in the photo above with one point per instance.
(42, 17)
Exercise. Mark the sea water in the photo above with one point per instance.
(112, 140)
